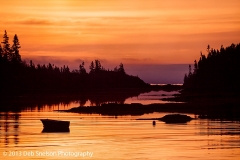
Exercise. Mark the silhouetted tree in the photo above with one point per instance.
(50, 67)
(92, 67)
(82, 70)
(98, 66)
(195, 67)
(121, 68)
(6, 47)
(32, 65)
(16, 58)
(189, 70)
(208, 49)
(66, 69)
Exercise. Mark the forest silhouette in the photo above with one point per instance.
(20, 78)
(219, 71)
(211, 88)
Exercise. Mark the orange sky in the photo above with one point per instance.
(114, 31)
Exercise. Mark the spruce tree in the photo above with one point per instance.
(92, 67)
(82, 70)
(121, 68)
(6, 47)
(98, 66)
(15, 50)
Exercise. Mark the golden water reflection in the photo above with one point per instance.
(144, 98)
(122, 137)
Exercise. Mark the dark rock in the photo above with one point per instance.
(175, 118)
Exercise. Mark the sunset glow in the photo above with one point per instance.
(127, 31)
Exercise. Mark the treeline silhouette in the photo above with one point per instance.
(19, 78)
(219, 71)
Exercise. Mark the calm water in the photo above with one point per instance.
(144, 98)
(104, 137)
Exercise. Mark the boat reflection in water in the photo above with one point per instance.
(45, 130)
(50, 125)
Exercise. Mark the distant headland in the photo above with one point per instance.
(19, 77)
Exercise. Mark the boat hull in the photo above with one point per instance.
(50, 124)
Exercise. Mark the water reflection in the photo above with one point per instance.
(122, 137)
(220, 127)
(220, 134)
(48, 130)
(9, 127)
(63, 102)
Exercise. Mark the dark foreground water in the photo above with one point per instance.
(105, 137)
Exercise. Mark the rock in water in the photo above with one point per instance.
(175, 118)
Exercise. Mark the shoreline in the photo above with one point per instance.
(220, 111)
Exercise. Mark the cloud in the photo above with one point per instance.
(45, 22)
(35, 22)
(86, 21)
